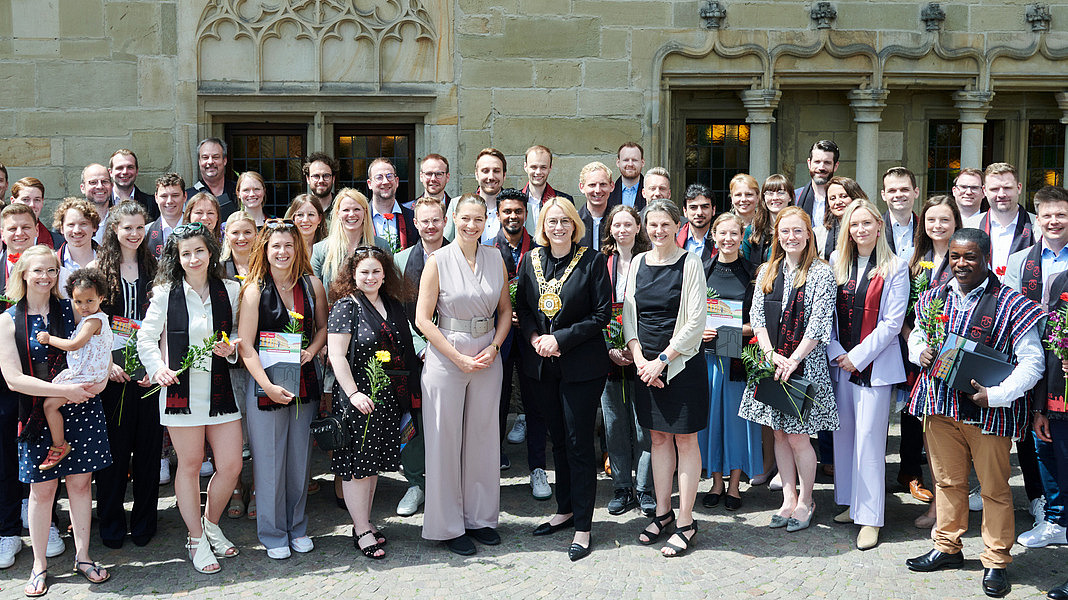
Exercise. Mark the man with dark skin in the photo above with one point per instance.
(965, 430)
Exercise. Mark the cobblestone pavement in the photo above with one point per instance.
(736, 556)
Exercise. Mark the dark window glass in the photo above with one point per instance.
(943, 155)
(276, 152)
(357, 146)
(715, 152)
(1045, 156)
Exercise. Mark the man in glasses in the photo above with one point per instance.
(320, 172)
(434, 175)
(392, 222)
(968, 193)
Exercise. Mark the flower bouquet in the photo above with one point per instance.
(378, 379)
(1057, 340)
(932, 322)
(792, 397)
(192, 357)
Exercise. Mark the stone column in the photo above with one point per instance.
(973, 107)
(868, 105)
(761, 106)
(1062, 101)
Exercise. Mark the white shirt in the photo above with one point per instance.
(819, 206)
(386, 228)
(1001, 241)
(1030, 361)
(903, 237)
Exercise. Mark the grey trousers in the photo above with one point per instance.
(280, 441)
(628, 442)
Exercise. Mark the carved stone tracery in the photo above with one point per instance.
(318, 22)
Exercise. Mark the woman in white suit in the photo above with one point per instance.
(873, 293)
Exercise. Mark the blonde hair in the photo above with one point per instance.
(594, 166)
(569, 210)
(767, 284)
(16, 280)
(233, 218)
(846, 248)
(337, 243)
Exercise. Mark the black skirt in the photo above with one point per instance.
(681, 406)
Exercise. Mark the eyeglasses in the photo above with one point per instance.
(428, 222)
(279, 223)
(320, 176)
(969, 188)
(434, 174)
(194, 227)
(383, 177)
(367, 250)
(552, 223)
(51, 272)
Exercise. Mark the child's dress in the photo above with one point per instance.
(89, 363)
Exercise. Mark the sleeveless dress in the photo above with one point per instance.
(89, 363)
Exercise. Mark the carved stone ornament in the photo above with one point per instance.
(712, 14)
(313, 44)
(1038, 16)
(823, 13)
(932, 16)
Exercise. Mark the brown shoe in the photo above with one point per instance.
(915, 487)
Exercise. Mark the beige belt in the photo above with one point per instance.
(477, 327)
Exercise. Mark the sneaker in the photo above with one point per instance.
(410, 503)
(1043, 534)
(623, 501)
(9, 547)
(539, 485)
(647, 502)
(246, 452)
(1037, 508)
(975, 501)
(302, 544)
(206, 468)
(505, 463)
(55, 543)
(279, 553)
(164, 471)
(518, 434)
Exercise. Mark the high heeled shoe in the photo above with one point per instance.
(201, 555)
(220, 546)
(793, 524)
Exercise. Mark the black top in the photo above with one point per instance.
(657, 296)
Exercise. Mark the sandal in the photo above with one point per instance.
(37, 585)
(201, 555)
(368, 551)
(95, 568)
(237, 505)
(381, 539)
(687, 542)
(55, 455)
(251, 514)
(662, 522)
(220, 546)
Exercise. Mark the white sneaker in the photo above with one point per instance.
(1044, 534)
(164, 471)
(9, 547)
(1037, 508)
(539, 485)
(302, 544)
(55, 543)
(518, 434)
(411, 502)
(975, 501)
(206, 468)
(279, 553)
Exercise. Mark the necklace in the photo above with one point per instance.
(549, 302)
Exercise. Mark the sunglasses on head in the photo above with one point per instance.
(279, 223)
(194, 227)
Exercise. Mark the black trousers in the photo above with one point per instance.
(1025, 452)
(535, 421)
(911, 448)
(11, 490)
(570, 411)
(136, 437)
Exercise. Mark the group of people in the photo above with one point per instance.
(407, 321)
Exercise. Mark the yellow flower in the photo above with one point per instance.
(926, 264)
(240, 277)
(225, 338)
(382, 356)
(296, 315)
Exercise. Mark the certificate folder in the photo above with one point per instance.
(792, 397)
(988, 370)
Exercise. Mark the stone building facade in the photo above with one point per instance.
(708, 87)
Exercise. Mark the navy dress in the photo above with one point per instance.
(83, 424)
(681, 406)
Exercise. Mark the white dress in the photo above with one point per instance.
(91, 362)
(152, 348)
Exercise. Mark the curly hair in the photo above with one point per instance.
(394, 285)
(170, 265)
(87, 278)
(81, 205)
(109, 257)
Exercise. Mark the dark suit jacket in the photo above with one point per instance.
(52, 239)
(709, 251)
(506, 250)
(888, 230)
(805, 197)
(228, 201)
(587, 219)
(586, 308)
(148, 201)
(616, 197)
(549, 193)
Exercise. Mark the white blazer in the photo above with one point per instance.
(882, 347)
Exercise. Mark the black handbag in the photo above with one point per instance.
(330, 432)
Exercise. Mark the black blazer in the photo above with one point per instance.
(586, 308)
(587, 220)
(805, 197)
(616, 197)
(888, 230)
(149, 202)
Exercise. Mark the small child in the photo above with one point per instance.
(89, 352)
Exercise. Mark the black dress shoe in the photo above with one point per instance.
(995, 583)
(732, 503)
(934, 560)
(711, 499)
(461, 545)
(547, 528)
(485, 535)
(1059, 593)
(576, 551)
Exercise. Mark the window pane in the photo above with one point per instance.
(943, 155)
(715, 152)
(357, 146)
(1045, 156)
(275, 152)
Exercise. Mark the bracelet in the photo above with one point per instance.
(495, 347)
(354, 392)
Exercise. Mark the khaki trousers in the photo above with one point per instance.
(954, 447)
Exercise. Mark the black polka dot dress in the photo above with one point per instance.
(375, 438)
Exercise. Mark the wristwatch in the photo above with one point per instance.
(663, 357)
